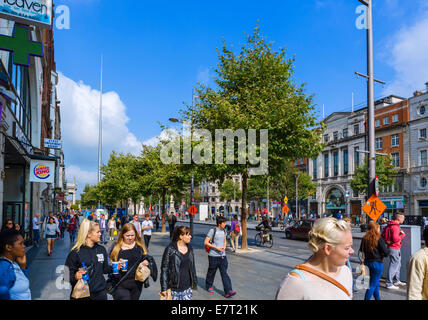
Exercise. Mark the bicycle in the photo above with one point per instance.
(267, 240)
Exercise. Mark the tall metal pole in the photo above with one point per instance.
(370, 99)
(191, 133)
(297, 196)
(100, 132)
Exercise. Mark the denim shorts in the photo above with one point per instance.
(48, 236)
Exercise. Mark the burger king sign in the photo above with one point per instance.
(42, 171)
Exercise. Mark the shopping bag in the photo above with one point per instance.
(168, 295)
(142, 273)
(81, 290)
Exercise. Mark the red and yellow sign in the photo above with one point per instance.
(285, 209)
(42, 171)
(374, 207)
(192, 210)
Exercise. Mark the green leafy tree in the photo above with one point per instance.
(255, 89)
(229, 191)
(89, 197)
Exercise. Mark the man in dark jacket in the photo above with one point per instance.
(172, 219)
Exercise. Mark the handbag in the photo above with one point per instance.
(168, 295)
(80, 290)
(142, 273)
(323, 276)
(115, 233)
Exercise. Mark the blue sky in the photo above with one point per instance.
(155, 52)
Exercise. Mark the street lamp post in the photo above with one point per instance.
(297, 195)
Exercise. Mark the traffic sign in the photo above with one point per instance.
(285, 209)
(192, 210)
(285, 199)
(374, 207)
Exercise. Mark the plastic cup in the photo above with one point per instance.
(124, 265)
(115, 267)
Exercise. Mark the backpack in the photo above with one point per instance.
(237, 227)
(386, 235)
(207, 248)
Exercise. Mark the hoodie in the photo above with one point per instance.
(391, 235)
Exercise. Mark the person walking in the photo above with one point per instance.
(147, 227)
(128, 247)
(324, 276)
(157, 222)
(51, 232)
(417, 273)
(14, 282)
(103, 228)
(235, 233)
(87, 251)
(374, 250)
(172, 220)
(178, 271)
(36, 229)
(136, 224)
(72, 228)
(393, 235)
(111, 228)
(9, 224)
(216, 241)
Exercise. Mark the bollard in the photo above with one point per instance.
(410, 244)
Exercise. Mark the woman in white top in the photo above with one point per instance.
(111, 228)
(324, 276)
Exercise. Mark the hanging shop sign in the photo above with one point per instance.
(33, 12)
(42, 171)
(21, 46)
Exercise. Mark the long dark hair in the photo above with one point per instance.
(372, 236)
(178, 231)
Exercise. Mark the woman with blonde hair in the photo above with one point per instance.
(88, 254)
(128, 247)
(324, 276)
(374, 250)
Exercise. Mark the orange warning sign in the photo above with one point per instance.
(192, 210)
(374, 207)
(285, 209)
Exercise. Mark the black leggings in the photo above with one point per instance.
(128, 292)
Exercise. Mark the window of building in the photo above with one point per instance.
(378, 143)
(423, 182)
(396, 159)
(302, 161)
(336, 163)
(326, 166)
(356, 157)
(398, 184)
(213, 189)
(345, 133)
(386, 120)
(378, 123)
(394, 140)
(422, 110)
(296, 163)
(423, 158)
(395, 117)
(356, 129)
(335, 135)
(326, 138)
(345, 161)
(315, 169)
(423, 133)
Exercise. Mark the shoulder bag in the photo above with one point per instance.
(207, 248)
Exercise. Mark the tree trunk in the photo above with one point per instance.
(244, 242)
(163, 211)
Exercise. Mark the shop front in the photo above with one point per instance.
(335, 202)
(393, 204)
(423, 208)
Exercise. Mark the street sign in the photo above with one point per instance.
(285, 209)
(285, 199)
(374, 207)
(34, 12)
(192, 210)
(52, 144)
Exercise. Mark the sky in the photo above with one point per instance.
(154, 53)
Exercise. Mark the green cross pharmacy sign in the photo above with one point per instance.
(21, 46)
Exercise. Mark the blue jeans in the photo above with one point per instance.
(376, 269)
(103, 235)
(222, 264)
(36, 236)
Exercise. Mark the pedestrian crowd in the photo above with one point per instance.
(326, 274)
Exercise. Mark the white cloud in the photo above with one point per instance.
(406, 52)
(79, 125)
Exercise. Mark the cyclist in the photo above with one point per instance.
(266, 226)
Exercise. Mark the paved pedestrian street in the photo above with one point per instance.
(255, 274)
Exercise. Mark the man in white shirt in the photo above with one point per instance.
(36, 229)
(147, 227)
(137, 224)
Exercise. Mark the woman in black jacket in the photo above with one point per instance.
(374, 250)
(94, 256)
(178, 271)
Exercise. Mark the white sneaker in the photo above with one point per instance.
(393, 287)
(399, 283)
